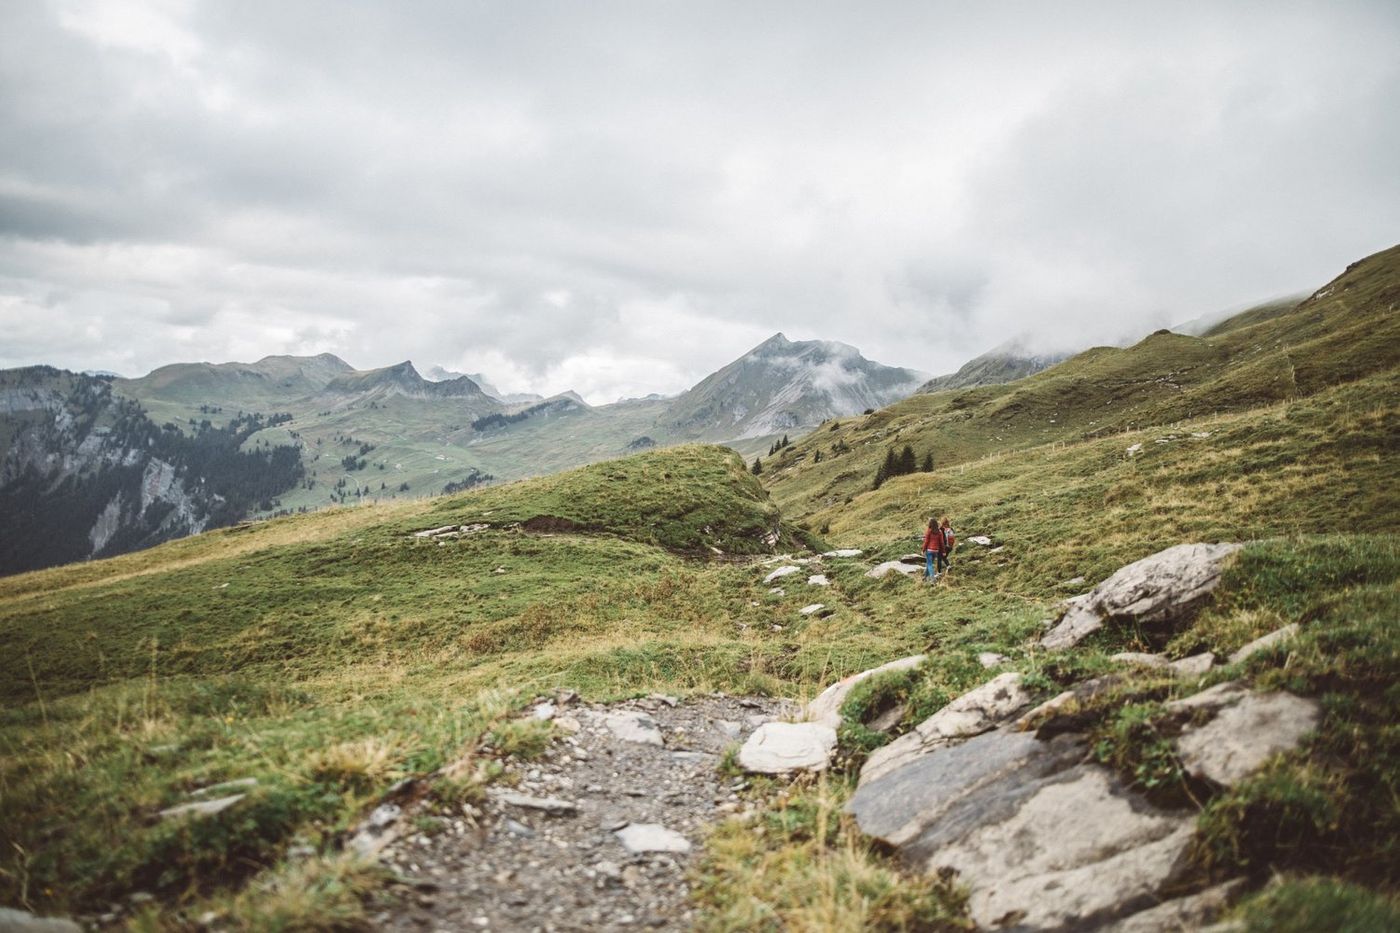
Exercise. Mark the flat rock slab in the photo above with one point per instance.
(818, 579)
(779, 747)
(981, 540)
(651, 837)
(990, 659)
(1274, 638)
(1167, 587)
(1040, 839)
(826, 708)
(1245, 734)
(844, 552)
(781, 572)
(892, 566)
(21, 921)
(974, 712)
(812, 609)
(633, 727)
(201, 808)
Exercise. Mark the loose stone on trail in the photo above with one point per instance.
(634, 727)
(779, 747)
(651, 837)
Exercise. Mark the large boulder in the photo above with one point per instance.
(826, 708)
(1166, 588)
(972, 713)
(1039, 838)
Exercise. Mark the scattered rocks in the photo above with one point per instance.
(499, 865)
(1276, 637)
(781, 572)
(201, 808)
(651, 837)
(826, 708)
(1164, 588)
(779, 747)
(1246, 733)
(818, 579)
(972, 713)
(634, 727)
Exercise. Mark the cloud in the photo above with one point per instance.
(190, 179)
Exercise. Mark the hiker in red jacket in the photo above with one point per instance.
(938, 544)
(933, 547)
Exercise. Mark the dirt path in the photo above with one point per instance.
(641, 772)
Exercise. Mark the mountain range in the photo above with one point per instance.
(131, 462)
(339, 435)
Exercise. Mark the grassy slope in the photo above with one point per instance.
(1346, 331)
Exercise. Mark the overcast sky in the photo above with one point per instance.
(621, 197)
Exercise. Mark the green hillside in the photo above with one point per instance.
(1347, 330)
(331, 655)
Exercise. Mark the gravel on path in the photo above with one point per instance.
(548, 853)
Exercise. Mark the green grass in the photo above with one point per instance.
(329, 655)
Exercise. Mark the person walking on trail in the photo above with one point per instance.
(933, 545)
(947, 539)
(938, 544)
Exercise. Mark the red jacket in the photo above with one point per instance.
(933, 540)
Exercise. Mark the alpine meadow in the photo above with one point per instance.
(348, 694)
(785, 467)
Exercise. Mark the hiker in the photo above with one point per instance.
(947, 539)
(933, 545)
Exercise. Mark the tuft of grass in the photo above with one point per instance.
(801, 865)
(1315, 904)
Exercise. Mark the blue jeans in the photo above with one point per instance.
(929, 572)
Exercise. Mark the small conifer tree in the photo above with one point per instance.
(757, 466)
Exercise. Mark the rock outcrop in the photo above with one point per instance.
(1160, 590)
(1043, 837)
(826, 708)
(972, 713)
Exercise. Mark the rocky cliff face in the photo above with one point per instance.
(84, 473)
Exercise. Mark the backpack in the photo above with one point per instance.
(949, 539)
